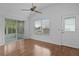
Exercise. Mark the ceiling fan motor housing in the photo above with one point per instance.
(32, 9)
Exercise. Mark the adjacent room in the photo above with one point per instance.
(39, 29)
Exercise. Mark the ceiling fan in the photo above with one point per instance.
(32, 9)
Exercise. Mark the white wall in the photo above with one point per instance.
(27, 28)
(54, 14)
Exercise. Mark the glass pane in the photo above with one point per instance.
(70, 24)
(37, 24)
(45, 26)
(20, 29)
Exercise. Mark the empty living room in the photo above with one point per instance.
(39, 29)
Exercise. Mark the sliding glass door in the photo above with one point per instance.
(10, 30)
(14, 30)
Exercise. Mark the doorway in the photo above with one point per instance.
(14, 30)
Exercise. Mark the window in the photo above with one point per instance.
(38, 25)
(41, 26)
(69, 24)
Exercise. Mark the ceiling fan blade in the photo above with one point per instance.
(25, 9)
(38, 12)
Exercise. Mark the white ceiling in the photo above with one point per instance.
(15, 8)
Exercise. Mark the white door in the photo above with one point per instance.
(70, 31)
